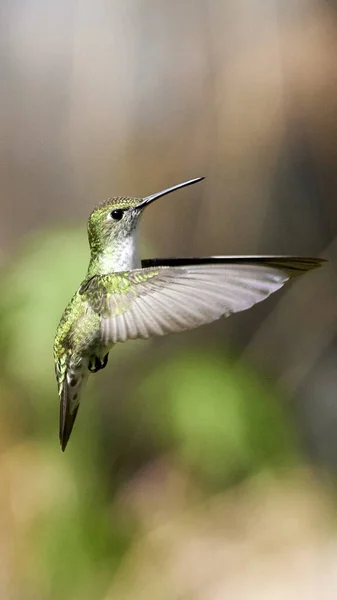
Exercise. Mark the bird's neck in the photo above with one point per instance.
(123, 255)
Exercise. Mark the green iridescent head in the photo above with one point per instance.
(115, 219)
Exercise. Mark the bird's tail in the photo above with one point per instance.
(69, 404)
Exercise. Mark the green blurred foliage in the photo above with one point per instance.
(36, 288)
(225, 423)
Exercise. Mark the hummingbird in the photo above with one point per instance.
(123, 297)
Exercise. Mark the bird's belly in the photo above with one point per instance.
(101, 350)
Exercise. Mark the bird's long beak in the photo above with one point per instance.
(146, 201)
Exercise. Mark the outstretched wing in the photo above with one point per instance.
(172, 295)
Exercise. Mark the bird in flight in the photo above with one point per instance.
(123, 297)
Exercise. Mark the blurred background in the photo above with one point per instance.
(203, 465)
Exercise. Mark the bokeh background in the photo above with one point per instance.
(202, 466)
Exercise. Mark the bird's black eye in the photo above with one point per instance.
(117, 214)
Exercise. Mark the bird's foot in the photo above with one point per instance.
(96, 364)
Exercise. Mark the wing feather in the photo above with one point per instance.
(180, 298)
(169, 296)
(295, 265)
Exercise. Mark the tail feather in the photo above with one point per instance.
(69, 403)
(68, 413)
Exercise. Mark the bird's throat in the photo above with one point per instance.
(121, 256)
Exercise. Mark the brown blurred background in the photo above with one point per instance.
(202, 466)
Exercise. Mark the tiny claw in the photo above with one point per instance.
(96, 364)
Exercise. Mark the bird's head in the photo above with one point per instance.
(117, 218)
